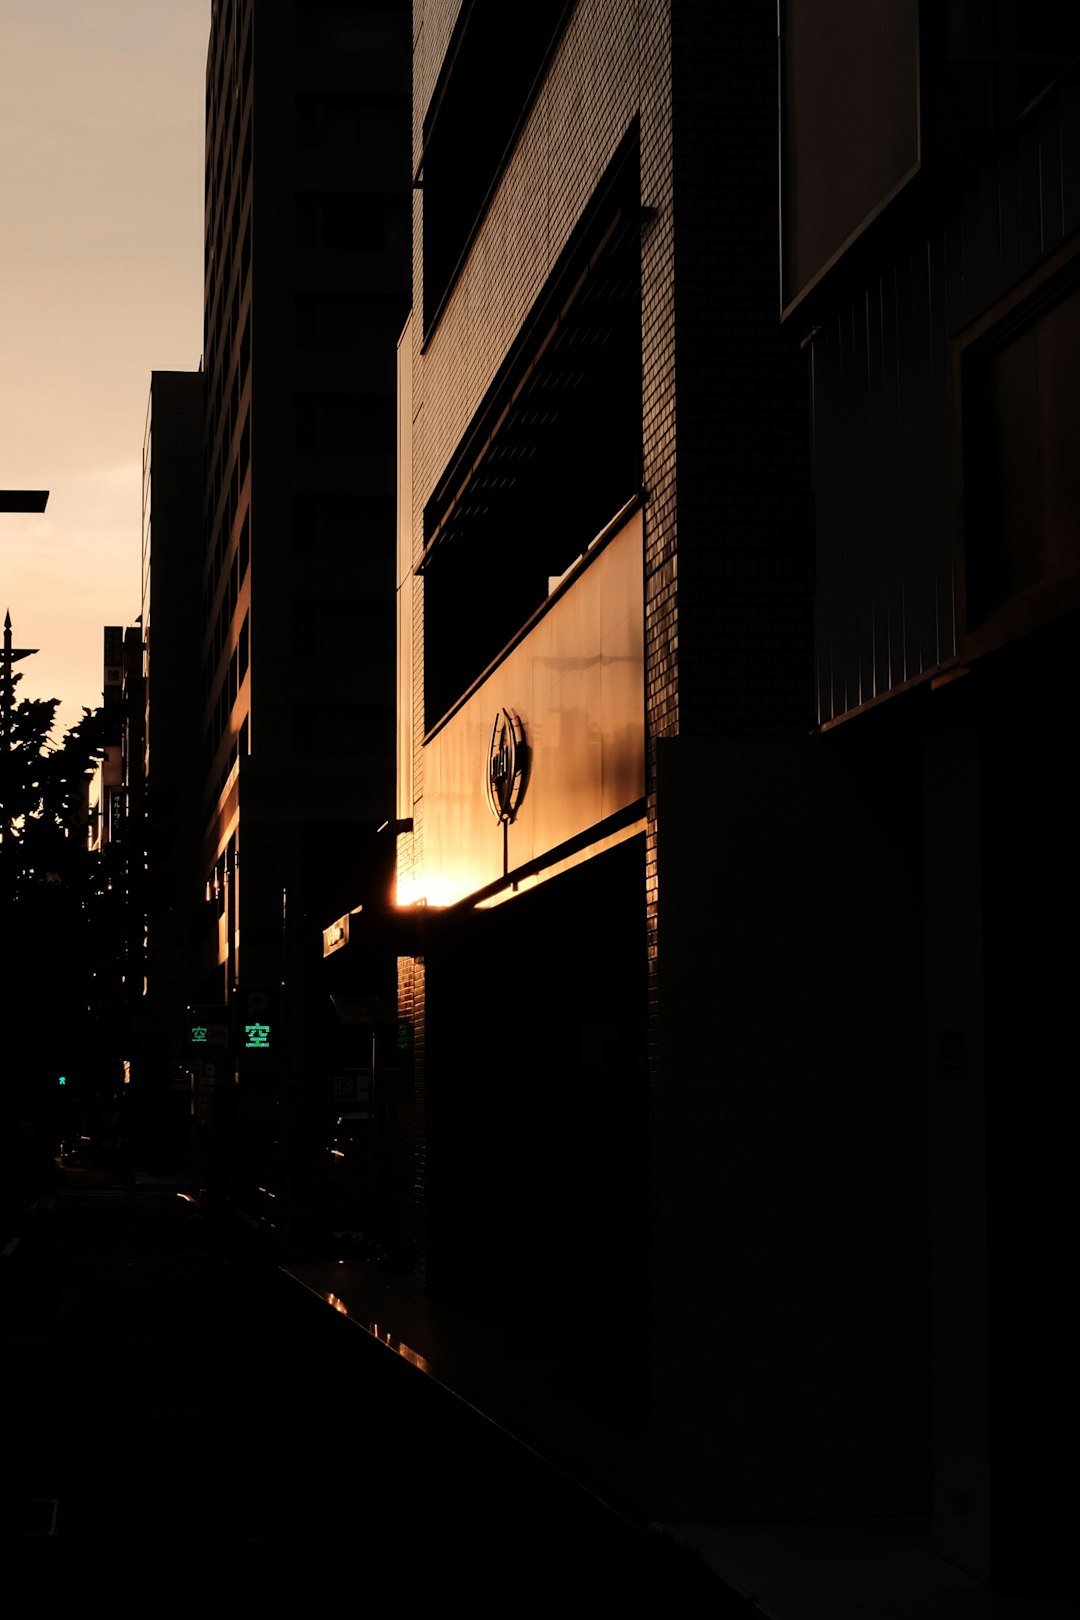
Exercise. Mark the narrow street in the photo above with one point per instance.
(167, 1386)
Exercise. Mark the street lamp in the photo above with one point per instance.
(23, 500)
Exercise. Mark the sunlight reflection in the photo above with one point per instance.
(383, 1335)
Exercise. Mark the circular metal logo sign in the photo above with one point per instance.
(505, 779)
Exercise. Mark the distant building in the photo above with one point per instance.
(306, 291)
(107, 787)
(116, 943)
(163, 746)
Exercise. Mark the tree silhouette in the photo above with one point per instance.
(56, 914)
(44, 795)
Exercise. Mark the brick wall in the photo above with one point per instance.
(724, 429)
(543, 193)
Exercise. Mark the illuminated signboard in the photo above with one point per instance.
(256, 1020)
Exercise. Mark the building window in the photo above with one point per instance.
(344, 731)
(849, 116)
(349, 222)
(334, 25)
(359, 630)
(554, 455)
(368, 124)
(364, 327)
(1020, 424)
(359, 526)
(346, 422)
(872, 94)
(483, 94)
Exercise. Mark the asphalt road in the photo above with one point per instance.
(167, 1387)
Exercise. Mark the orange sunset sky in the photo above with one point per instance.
(101, 163)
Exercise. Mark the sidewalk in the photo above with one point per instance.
(869, 1569)
(574, 1416)
(552, 1403)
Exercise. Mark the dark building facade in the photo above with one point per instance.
(606, 650)
(714, 1010)
(306, 264)
(162, 757)
(931, 210)
(101, 1093)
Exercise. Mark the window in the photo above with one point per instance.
(334, 25)
(334, 321)
(360, 630)
(849, 104)
(553, 456)
(346, 422)
(373, 125)
(484, 91)
(343, 731)
(350, 222)
(344, 525)
(1020, 404)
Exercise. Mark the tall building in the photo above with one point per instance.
(162, 756)
(107, 792)
(306, 270)
(631, 1076)
(931, 267)
(678, 496)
